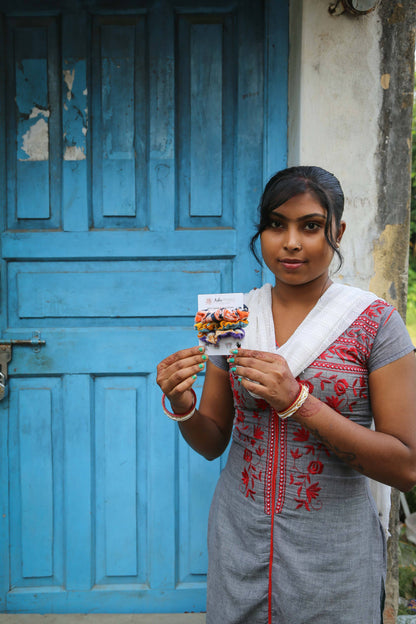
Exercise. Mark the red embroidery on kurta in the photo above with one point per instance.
(307, 491)
(253, 437)
(348, 354)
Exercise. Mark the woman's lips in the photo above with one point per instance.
(291, 264)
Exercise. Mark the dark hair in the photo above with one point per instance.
(288, 183)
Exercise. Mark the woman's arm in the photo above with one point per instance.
(208, 431)
(387, 454)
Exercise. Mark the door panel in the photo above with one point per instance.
(137, 146)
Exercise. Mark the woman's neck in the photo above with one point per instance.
(305, 295)
(292, 304)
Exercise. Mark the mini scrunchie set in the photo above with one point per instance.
(223, 326)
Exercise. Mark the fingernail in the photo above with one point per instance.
(201, 366)
(204, 357)
(231, 360)
(193, 376)
(201, 349)
(233, 369)
(238, 378)
(235, 351)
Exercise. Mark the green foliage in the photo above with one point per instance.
(411, 500)
(411, 292)
(411, 295)
(407, 572)
(406, 576)
(413, 191)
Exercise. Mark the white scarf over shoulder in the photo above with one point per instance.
(334, 312)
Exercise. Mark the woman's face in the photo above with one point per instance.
(294, 246)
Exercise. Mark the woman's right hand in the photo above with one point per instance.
(176, 375)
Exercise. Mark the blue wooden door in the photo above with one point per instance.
(134, 141)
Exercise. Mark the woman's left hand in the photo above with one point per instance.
(267, 375)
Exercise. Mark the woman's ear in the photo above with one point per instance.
(341, 231)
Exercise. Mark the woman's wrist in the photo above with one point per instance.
(179, 411)
(182, 406)
(296, 404)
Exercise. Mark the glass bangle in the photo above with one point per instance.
(179, 417)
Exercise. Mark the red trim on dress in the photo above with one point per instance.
(271, 452)
(282, 464)
(277, 463)
(273, 417)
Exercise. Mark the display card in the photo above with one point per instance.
(221, 321)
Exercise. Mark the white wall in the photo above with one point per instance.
(335, 96)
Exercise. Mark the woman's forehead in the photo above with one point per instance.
(303, 203)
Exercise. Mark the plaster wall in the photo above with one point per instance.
(350, 111)
(335, 97)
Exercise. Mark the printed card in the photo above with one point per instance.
(221, 321)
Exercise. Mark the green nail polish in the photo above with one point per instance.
(193, 376)
(235, 351)
(201, 366)
(233, 370)
(204, 357)
(239, 379)
(201, 349)
(231, 360)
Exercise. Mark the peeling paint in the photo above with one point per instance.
(385, 81)
(75, 117)
(36, 142)
(389, 280)
(72, 152)
(38, 111)
(69, 77)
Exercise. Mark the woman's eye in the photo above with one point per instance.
(275, 224)
(312, 226)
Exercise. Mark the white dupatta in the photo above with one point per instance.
(334, 312)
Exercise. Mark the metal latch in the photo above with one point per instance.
(6, 354)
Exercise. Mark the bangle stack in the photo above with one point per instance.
(179, 417)
(297, 403)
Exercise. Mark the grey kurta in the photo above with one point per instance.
(294, 535)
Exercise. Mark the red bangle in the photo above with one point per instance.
(179, 417)
(297, 403)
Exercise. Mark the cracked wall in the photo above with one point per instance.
(350, 96)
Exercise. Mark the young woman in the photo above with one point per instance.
(322, 396)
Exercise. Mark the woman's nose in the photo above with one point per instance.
(292, 241)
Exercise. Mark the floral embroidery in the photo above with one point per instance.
(337, 396)
(307, 490)
(353, 347)
(340, 386)
(315, 467)
(253, 437)
(269, 461)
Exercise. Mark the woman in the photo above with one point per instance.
(294, 534)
